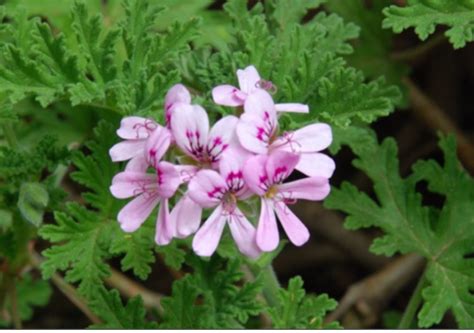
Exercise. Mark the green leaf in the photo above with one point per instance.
(26, 165)
(181, 309)
(30, 294)
(345, 90)
(230, 305)
(444, 237)
(6, 219)
(137, 248)
(297, 311)
(424, 15)
(173, 255)
(372, 50)
(83, 239)
(97, 49)
(32, 201)
(82, 242)
(302, 61)
(108, 306)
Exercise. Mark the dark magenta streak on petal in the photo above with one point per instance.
(280, 174)
(214, 193)
(235, 181)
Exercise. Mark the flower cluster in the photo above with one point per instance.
(235, 160)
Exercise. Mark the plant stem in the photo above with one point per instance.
(10, 135)
(413, 304)
(130, 288)
(14, 306)
(420, 50)
(68, 290)
(270, 283)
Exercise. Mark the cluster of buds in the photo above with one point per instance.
(218, 168)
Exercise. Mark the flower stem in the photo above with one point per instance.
(413, 304)
(271, 284)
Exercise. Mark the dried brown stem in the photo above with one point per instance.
(371, 295)
(130, 288)
(329, 224)
(67, 290)
(419, 52)
(433, 116)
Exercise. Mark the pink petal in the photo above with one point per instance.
(132, 216)
(309, 139)
(261, 104)
(294, 228)
(168, 179)
(226, 95)
(316, 164)
(190, 128)
(255, 175)
(177, 94)
(292, 107)
(231, 167)
(280, 165)
(126, 150)
(248, 79)
(135, 128)
(221, 136)
(186, 216)
(251, 134)
(207, 188)
(138, 163)
(267, 230)
(164, 228)
(311, 188)
(258, 124)
(244, 234)
(131, 183)
(157, 145)
(186, 171)
(207, 238)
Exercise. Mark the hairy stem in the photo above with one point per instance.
(68, 291)
(270, 283)
(413, 304)
(264, 317)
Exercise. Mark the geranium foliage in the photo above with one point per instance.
(141, 138)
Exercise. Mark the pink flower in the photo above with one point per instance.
(190, 129)
(211, 189)
(178, 94)
(264, 175)
(135, 131)
(149, 190)
(250, 82)
(257, 131)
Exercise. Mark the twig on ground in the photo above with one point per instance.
(371, 295)
(130, 288)
(68, 290)
(433, 116)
